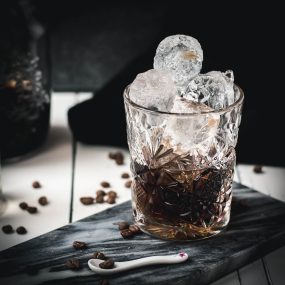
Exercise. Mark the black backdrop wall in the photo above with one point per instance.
(101, 45)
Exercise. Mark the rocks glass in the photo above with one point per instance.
(183, 166)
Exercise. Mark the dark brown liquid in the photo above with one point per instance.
(174, 201)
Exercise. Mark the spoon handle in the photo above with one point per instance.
(151, 260)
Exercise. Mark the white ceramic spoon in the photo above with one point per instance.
(127, 265)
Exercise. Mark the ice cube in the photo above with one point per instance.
(182, 105)
(153, 89)
(182, 56)
(215, 89)
(188, 133)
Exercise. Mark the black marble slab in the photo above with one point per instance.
(257, 226)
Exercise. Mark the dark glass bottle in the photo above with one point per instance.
(24, 107)
(24, 91)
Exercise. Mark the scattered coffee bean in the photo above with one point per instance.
(99, 255)
(128, 184)
(112, 194)
(32, 210)
(79, 245)
(119, 158)
(104, 282)
(111, 200)
(7, 229)
(43, 201)
(258, 169)
(107, 264)
(73, 264)
(105, 184)
(125, 175)
(123, 226)
(36, 184)
(119, 162)
(126, 233)
(23, 205)
(99, 199)
(100, 193)
(87, 200)
(21, 230)
(134, 229)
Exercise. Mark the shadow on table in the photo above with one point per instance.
(58, 138)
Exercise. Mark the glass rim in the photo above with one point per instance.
(238, 102)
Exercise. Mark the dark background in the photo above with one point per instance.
(100, 46)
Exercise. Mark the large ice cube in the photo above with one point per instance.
(153, 89)
(182, 56)
(183, 105)
(190, 132)
(215, 89)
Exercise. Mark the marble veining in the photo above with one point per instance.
(257, 226)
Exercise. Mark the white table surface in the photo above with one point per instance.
(52, 166)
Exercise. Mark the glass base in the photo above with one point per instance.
(191, 233)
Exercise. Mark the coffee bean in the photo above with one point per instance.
(100, 193)
(79, 245)
(123, 226)
(73, 264)
(135, 229)
(99, 255)
(43, 201)
(258, 169)
(23, 205)
(21, 230)
(125, 175)
(104, 282)
(107, 264)
(111, 200)
(105, 184)
(119, 162)
(36, 184)
(126, 233)
(112, 194)
(99, 199)
(32, 210)
(128, 184)
(119, 158)
(7, 229)
(87, 200)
